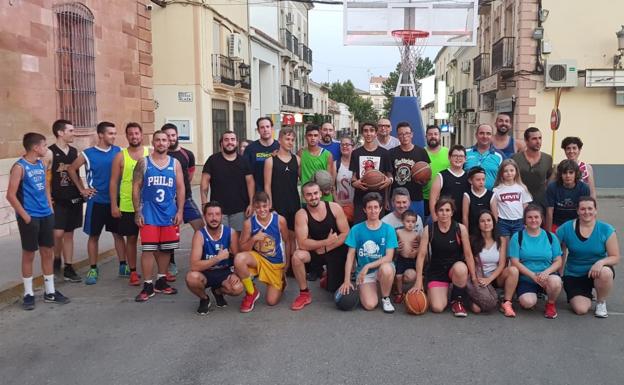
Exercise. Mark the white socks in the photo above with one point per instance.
(28, 290)
(48, 281)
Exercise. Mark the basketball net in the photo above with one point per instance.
(411, 43)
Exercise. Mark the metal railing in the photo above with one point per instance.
(503, 54)
(481, 67)
(223, 69)
(307, 100)
(296, 47)
(306, 54)
(287, 39)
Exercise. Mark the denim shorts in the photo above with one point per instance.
(507, 227)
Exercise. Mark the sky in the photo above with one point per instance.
(333, 61)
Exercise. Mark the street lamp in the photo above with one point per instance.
(243, 70)
(617, 59)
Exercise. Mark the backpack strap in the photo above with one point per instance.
(521, 233)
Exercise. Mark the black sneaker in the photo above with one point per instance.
(312, 276)
(57, 265)
(204, 305)
(56, 297)
(146, 293)
(29, 302)
(163, 287)
(221, 302)
(70, 275)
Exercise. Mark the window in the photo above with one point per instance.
(220, 117)
(240, 120)
(75, 59)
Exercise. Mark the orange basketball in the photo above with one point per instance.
(416, 303)
(373, 178)
(421, 172)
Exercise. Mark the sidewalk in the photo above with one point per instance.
(10, 259)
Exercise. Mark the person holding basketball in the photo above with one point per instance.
(449, 261)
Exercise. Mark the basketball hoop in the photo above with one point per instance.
(411, 43)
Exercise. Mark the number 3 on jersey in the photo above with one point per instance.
(160, 195)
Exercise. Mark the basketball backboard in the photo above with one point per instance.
(449, 22)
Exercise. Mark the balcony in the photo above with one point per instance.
(307, 100)
(295, 44)
(481, 67)
(286, 38)
(503, 56)
(223, 70)
(306, 54)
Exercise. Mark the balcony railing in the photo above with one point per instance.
(287, 39)
(307, 100)
(503, 55)
(481, 67)
(295, 98)
(306, 54)
(223, 70)
(296, 47)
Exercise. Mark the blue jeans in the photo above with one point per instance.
(508, 227)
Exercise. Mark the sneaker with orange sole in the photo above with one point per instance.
(304, 298)
(507, 309)
(249, 301)
(550, 311)
(135, 279)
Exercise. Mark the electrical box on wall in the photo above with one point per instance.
(619, 97)
(184, 128)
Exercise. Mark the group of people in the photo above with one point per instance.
(491, 215)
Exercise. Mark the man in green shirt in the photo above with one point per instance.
(315, 158)
(439, 159)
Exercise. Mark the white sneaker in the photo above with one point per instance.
(601, 310)
(387, 305)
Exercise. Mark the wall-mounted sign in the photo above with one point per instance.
(185, 97)
(489, 84)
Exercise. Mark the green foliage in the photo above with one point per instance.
(344, 92)
(424, 68)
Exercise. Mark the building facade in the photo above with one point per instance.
(84, 61)
(320, 101)
(202, 71)
(375, 93)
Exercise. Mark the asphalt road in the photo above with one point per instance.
(104, 337)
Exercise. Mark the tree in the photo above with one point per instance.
(362, 109)
(424, 68)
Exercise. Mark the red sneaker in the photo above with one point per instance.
(249, 301)
(162, 287)
(398, 298)
(507, 309)
(550, 311)
(135, 279)
(323, 282)
(304, 298)
(170, 277)
(458, 309)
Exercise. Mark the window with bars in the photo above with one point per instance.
(240, 120)
(220, 113)
(75, 58)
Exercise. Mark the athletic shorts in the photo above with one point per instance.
(290, 220)
(191, 212)
(583, 286)
(269, 273)
(508, 227)
(160, 238)
(215, 278)
(234, 221)
(38, 233)
(373, 277)
(403, 264)
(67, 216)
(530, 287)
(127, 226)
(439, 275)
(97, 216)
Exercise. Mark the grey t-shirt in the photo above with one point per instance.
(535, 177)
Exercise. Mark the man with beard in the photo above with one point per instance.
(121, 191)
(187, 161)
(321, 229)
(231, 181)
(328, 140)
(504, 140)
(535, 166)
(402, 158)
(260, 150)
(212, 262)
(438, 155)
(98, 160)
(158, 182)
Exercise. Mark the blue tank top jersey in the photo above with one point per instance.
(32, 189)
(271, 247)
(212, 247)
(509, 150)
(159, 193)
(99, 164)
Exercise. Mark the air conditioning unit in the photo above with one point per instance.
(465, 67)
(560, 73)
(289, 19)
(235, 46)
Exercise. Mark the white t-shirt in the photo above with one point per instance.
(344, 190)
(510, 201)
(489, 259)
(395, 222)
(392, 143)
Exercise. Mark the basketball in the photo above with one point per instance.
(324, 180)
(348, 301)
(421, 172)
(373, 178)
(416, 303)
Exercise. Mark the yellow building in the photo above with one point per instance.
(201, 71)
(528, 48)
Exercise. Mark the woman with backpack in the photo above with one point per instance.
(536, 253)
(449, 261)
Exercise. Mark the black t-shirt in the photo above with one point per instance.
(187, 161)
(63, 190)
(362, 160)
(402, 162)
(227, 182)
(255, 155)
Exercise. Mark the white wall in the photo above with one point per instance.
(265, 83)
(265, 17)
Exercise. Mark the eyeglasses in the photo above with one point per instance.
(458, 156)
(383, 125)
(404, 134)
(346, 144)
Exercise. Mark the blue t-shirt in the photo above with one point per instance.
(256, 154)
(564, 201)
(370, 245)
(582, 254)
(333, 148)
(99, 164)
(489, 160)
(31, 192)
(537, 253)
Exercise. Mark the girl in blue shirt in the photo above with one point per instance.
(592, 252)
